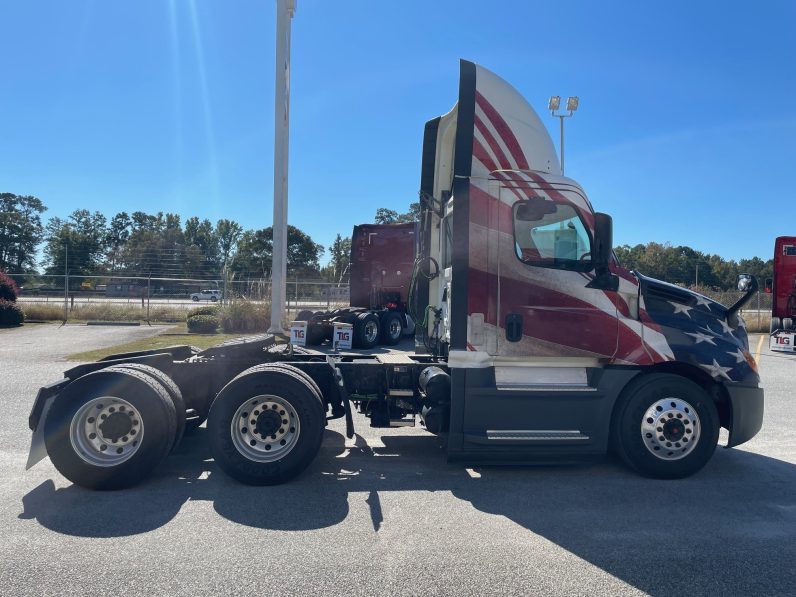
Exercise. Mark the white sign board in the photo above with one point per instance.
(298, 333)
(782, 342)
(343, 333)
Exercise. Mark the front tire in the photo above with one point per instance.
(665, 426)
(267, 424)
(195, 299)
(110, 428)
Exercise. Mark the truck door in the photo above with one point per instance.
(547, 308)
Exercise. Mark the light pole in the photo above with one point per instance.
(284, 13)
(572, 106)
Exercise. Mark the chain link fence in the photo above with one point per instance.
(162, 299)
(171, 298)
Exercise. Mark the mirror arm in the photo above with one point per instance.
(753, 287)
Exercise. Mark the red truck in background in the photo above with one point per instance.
(783, 300)
(382, 261)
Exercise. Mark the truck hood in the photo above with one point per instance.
(697, 330)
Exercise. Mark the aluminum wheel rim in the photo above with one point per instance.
(254, 433)
(106, 431)
(395, 328)
(371, 331)
(670, 429)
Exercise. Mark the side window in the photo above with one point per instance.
(548, 234)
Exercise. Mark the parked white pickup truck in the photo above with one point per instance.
(206, 295)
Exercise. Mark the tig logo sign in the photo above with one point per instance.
(782, 342)
(342, 335)
(298, 333)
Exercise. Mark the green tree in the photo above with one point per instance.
(21, 231)
(228, 234)
(78, 242)
(341, 257)
(255, 252)
(390, 216)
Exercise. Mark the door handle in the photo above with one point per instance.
(513, 327)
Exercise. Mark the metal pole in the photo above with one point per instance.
(561, 118)
(66, 282)
(284, 13)
(148, 295)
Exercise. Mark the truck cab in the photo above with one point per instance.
(550, 342)
(783, 300)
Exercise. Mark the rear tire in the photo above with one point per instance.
(127, 412)
(787, 324)
(366, 331)
(172, 389)
(249, 437)
(776, 324)
(391, 329)
(315, 334)
(665, 426)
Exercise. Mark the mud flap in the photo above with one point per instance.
(38, 449)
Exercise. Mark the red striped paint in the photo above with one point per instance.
(503, 130)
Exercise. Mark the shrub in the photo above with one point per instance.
(202, 324)
(205, 310)
(8, 288)
(10, 313)
(245, 316)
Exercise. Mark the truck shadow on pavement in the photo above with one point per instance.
(725, 531)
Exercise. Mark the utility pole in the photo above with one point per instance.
(284, 13)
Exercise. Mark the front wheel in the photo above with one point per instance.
(267, 424)
(195, 299)
(665, 426)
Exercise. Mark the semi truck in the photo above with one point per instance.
(381, 267)
(783, 295)
(536, 345)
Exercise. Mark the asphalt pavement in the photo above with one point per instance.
(386, 514)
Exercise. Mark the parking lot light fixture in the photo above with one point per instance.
(553, 105)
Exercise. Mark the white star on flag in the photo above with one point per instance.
(680, 308)
(741, 322)
(739, 355)
(703, 300)
(701, 337)
(717, 371)
(725, 327)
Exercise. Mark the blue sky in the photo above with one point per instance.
(686, 130)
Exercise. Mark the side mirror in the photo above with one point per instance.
(603, 241)
(602, 249)
(744, 281)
